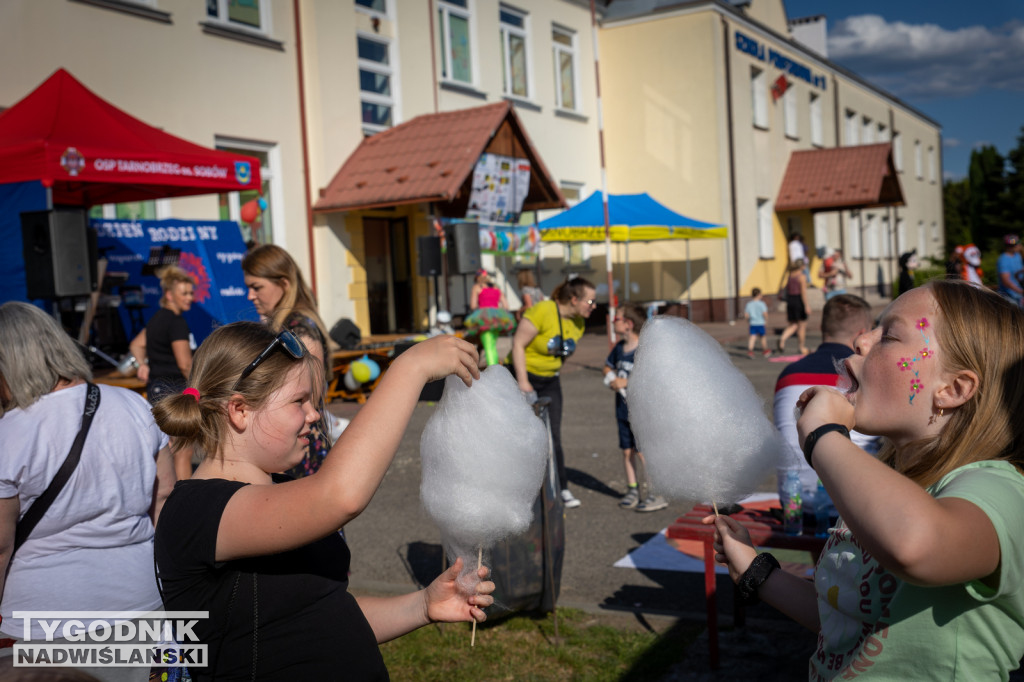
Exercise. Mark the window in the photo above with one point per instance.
(931, 164)
(456, 47)
(855, 236)
(758, 95)
(789, 112)
(375, 84)
(249, 15)
(515, 79)
(901, 236)
(871, 235)
(935, 232)
(820, 230)
(564, 44)
(765, 233)
(261, 231)
(886, 236)
(897, 151)
(883, 133)
(375, 5)
(868, 131)
(577, 254)
(917, 160)
(816, 135)
(133, 210)
(922, 240)
(851, 128)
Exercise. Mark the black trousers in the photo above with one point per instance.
(551, 387)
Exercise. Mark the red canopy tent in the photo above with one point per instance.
(89, 152)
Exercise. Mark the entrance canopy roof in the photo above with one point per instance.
(431, 159)
(90, 152)
(841, 178)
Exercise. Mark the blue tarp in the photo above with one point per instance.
(15, 198)
(211, 251)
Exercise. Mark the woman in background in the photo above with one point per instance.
(529, 292)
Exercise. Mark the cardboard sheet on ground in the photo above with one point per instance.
(662, 554)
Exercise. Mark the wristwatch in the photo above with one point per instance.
(813, 436)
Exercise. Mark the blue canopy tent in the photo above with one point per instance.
(632, 218)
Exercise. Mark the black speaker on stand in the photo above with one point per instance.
(57, 253)
(463, 248)
(429, 264)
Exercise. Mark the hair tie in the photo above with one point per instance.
(194, 392)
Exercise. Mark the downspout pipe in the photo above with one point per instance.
(732, 174)
(604, 184)
(307, 196)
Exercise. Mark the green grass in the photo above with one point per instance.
(524, 647)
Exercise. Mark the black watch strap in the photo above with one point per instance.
(814, 436)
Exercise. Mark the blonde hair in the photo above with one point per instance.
(35, 354)
(525, 278)
(272, 262)
(171, 276)
(979, 331)
(216, 368)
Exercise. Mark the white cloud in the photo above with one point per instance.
(950, 142)
(926, 60)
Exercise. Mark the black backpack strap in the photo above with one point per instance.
(42, 504)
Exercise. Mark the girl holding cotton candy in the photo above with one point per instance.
(261, 554)
(922, 578)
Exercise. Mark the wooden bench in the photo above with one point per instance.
(765, 531)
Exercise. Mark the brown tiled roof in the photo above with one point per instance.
(431, 159)
(840, 178)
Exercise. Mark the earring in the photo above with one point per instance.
(940, 411)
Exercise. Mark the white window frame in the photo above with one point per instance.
(765, 229)
(854, 236)
(382, 69)
(446, 9)
(582, 248)
(759, 97)
(851, 128)
(897, 151)
(559, 49)
(221, 6)
(871, 236)
(885, 234)
(817, 136)
(883, 133)
(936, 237)
(922, 240)
(902, 246)
(867, 128)
(270, 174)
(918, 161)
(820, 230)
(931, 165)
(507, 32)
(385, 14)
(789, 117)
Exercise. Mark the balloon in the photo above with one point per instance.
(372, 364)
(360, 370)
(350, 381)
(250, 211)
(263, 203)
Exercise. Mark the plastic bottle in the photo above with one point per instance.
(822, 511)
(792, 504)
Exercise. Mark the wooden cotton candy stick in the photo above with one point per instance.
(479, 562)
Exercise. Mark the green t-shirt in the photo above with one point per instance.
(544, 316)
(875, 626)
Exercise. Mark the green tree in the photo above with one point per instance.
(1014, 199)
(986, 204)
(955, 195)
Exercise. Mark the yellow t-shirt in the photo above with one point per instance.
(544, 316)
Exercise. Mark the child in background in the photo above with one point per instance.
(756, 313)
(628, 322)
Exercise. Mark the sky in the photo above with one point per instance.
(959, 62)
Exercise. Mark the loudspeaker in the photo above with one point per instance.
(55, 246)
(346, 334)
(463, 248)
(428, 261)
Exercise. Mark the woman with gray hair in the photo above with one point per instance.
(92, 547)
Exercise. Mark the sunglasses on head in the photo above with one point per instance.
(285, 341)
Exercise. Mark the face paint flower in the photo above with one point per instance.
(925, 353)
(904, 364)
(922, 323)
(915, 386)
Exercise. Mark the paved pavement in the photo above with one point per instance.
(394, 545)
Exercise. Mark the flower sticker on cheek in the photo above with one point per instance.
(907, 364)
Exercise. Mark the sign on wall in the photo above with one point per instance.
(500, 185)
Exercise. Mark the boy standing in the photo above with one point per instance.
(617, 367)
(757, 312)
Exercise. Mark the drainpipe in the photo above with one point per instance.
(604, 184)
(433, 53)
(732, 174)
(307, 198)
(835, 117)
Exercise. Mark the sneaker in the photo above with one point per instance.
(652, 503)
(767, 353)
(569, 500)
(750, 354)
(630, 499)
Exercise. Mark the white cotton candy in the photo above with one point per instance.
(484, 454)
(697, 419)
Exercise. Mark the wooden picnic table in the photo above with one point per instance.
(765, 531)
(114, 378)
(378, 347)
